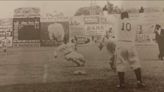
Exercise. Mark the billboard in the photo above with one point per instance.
(53, 33)
(85, 28)
(76, 26)
(77, 30)
(95, 29)
(95, 19)
(96, 26)
(26, 28)
(91, 20)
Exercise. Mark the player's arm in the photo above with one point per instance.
(61, 48)
(112, 62)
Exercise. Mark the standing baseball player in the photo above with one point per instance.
(69, 51)
(123, 51)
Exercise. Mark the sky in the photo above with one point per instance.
(68, 7)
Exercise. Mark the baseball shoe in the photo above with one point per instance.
(120, 86)
(140, 85)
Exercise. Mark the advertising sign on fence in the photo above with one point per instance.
(26, 43)
(53, 32)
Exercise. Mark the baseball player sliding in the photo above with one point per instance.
(69, 52)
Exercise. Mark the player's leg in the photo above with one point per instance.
(71, 57)
(111, 48)
(140, 83)
(77, 62)
(135, 64)
(138, 74)
(81, 58)
(121, 67)
(83, 61)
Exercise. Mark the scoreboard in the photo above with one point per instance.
(26, 28)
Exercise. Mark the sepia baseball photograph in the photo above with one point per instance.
(81, 46)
